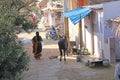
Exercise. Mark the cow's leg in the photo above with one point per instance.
(64, 55)
(60, 54)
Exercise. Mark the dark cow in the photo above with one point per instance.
(63, 45)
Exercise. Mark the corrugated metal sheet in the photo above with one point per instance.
(77, 14)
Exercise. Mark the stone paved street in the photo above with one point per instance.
(53, 69)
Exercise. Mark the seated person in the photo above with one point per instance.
(52, 31)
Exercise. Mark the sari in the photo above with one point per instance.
(37, 46)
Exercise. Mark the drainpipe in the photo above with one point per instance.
(91, 19)
(80, 34)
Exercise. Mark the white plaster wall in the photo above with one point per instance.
(98, 34)
(83, 30)
(87, 34)
(88, 39)
(100, 50)
(102, 35)
(50, 18)
(96, 45)
(107, 50)
(73, 31)
(111, 10)
(97, 37)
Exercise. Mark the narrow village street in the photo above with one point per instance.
(86, 29)
(48, 68)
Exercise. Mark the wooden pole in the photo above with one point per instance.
(66, 27)
(81, 3)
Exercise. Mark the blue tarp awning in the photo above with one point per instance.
(77, 14)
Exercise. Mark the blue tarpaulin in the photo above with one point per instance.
(77, 14)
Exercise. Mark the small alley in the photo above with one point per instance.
(50, 68)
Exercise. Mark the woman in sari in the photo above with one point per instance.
(37, 45)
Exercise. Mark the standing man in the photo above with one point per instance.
(37, 45)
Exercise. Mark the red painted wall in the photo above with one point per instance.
(82, 2)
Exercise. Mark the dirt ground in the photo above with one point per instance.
(85, 73)
(53, 69)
